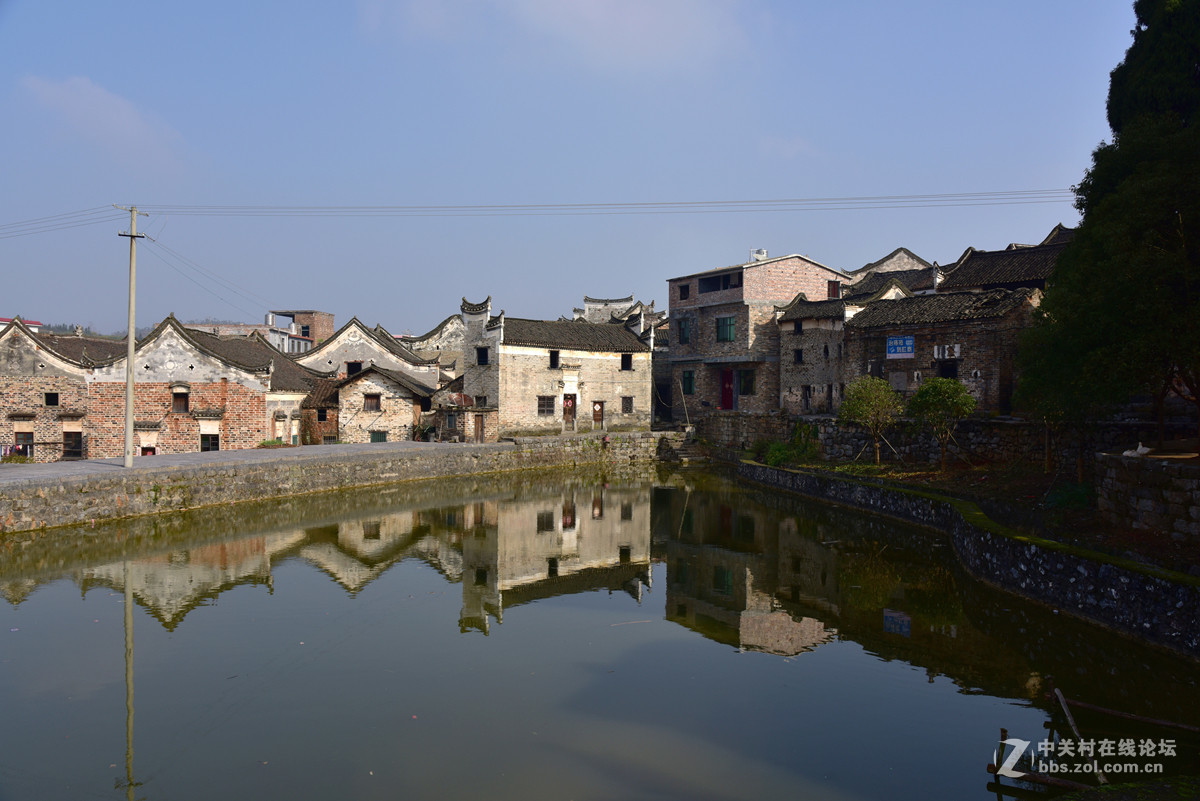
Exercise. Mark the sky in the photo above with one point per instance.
(379, 158)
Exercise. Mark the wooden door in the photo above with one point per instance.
(597, 414)
(569, 412)
(479, 428)
(727, 389)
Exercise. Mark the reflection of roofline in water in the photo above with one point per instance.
(588, 579)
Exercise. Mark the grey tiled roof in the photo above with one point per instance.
(992, 268)
(575, 335)
(913, 280)
(253, 352)
(416, 387)
(83, 350)
(324, 395)
(815, 309)
(945, 307)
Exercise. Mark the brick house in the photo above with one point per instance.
(553, 376)
(380, 405)
(354, 347)
(724, 351)
(319, 413)
(970, 336)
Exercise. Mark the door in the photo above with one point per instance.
(479, 428)
(597, 414)
(727, 389)
(569, 412)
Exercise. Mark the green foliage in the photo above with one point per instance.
(938, 405)
(758, 451)
(15, 458)
(871, 403)
(1122, 312)
(273, 443)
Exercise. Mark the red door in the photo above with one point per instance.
(569, 412)
(727, 389)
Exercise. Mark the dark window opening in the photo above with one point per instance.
(179, 402)
(322, 415)
(687, 524)
(545, 521)
(627, 511)
(722, 581)
(378, 436)
(725, 329)
(568, 515)
(304, 329)
(798, 355)
(948, 369)
(552, 567)
(329, 440)
(625, 554)
(481, 356)
(597, 505)
(72, 444)
(148, 450)
(745, 382)
(353, 368)
(627, 404)
(626, 361)
(51, 398)
(688, 380)
(480, 576)
(685, 332)
(835, 290)
(716, 283)
(481, 400)
(685, 291)
(545, 405)
(372, 403)
(826, 353)
(425, 403)
(553, 360)
(371, 530)
(23, 443)
(744, 529)
(210, 442)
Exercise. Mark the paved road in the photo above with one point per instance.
(53, 471)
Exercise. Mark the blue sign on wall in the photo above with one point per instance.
(900, 347)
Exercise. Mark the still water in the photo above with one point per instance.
(659, 636)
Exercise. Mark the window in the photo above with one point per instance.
(627, 404)
(627, 511)
(798, 355)
(826, 353)
(378, 436)
(685, 331)
(23, 443)
(553, 360)
(51, 398)
(480, 576)
(552, 567)
(722, 581)
(322, 415)
(725, 329)
(72, 444)
(179, 402)
(688, 379)
(353, 368)
(745, 382)
(839, 350)
(545, 405)
(481, 356)
(329, 440)
(371, 530)
(545, 521)
(835, 289)
(372, 403)
(685, 291)
(568, 515)
(598, 505)
(716, 283)
(625, 554)
(451, 421)
(481, 400)
(626, 361)
(798, 327)
(304, 330)
(210, 442)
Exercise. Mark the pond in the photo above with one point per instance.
(669, 635)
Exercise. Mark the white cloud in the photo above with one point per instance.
(622, 36)
(636, 35)
(107, 120)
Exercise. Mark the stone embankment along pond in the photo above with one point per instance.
(1154, 605)
(110, 492)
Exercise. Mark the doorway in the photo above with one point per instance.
(727, 395)
(479, 428)
(597, 414)
(569, 412)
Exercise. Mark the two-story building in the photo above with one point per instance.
(552, 376)
(724, 351)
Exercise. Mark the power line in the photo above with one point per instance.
(166, 261)
(59, 222)
(212, 276)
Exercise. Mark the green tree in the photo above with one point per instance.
(871, 403)
(1121, 315)
(939, 404)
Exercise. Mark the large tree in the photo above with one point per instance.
(873, 404)
(1122, 313)
(938, 405)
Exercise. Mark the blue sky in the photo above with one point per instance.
(419, 103)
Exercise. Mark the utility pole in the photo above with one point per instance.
(134, 236)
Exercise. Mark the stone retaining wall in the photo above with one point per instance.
(1152, 605)
(28, 505)
(1155, 494)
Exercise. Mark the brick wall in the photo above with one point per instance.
(808, 387)
(314, 431)
(27, 396)
(398, 410)
(243, 424)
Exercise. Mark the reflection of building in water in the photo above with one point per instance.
(726, 561)
(557, 543)
(172, 584)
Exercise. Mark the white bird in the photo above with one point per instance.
(1140, 450)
